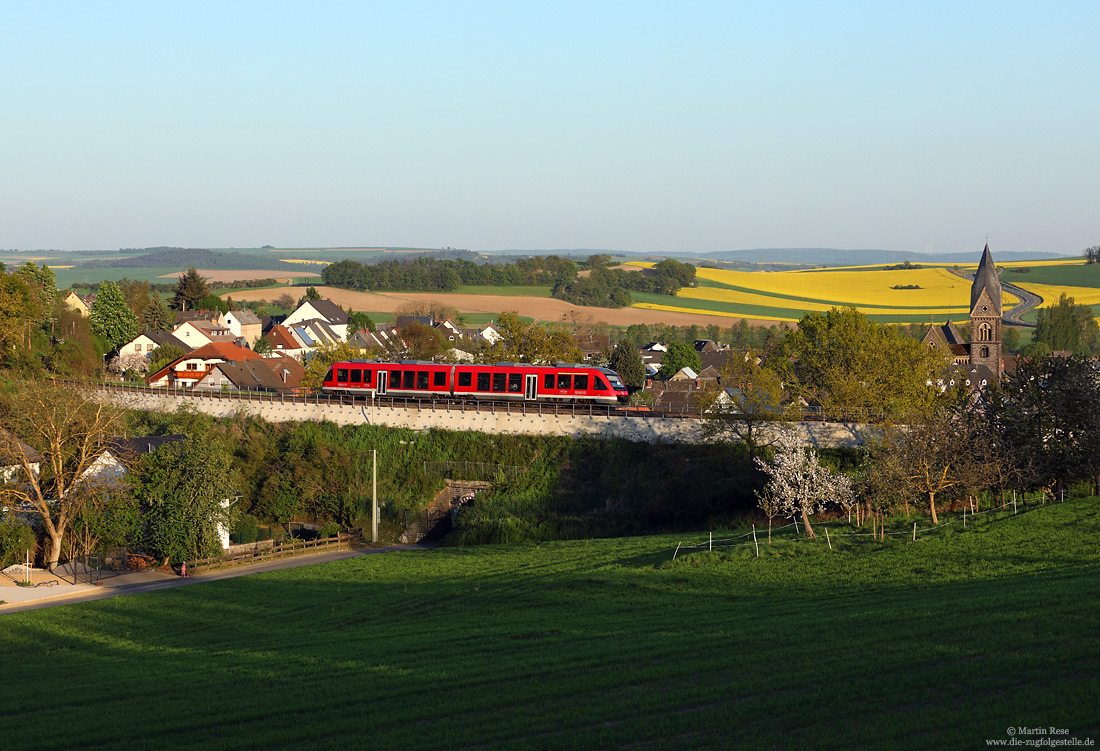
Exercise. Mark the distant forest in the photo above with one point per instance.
(197, 257)
(600, 287)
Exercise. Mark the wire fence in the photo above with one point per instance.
(828, 531)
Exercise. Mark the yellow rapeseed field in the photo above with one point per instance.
(303, 260)
(941, 293)
(940, 290)
(1050, 293)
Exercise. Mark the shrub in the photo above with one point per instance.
(15, 541)
(247, 529)
(330, 529)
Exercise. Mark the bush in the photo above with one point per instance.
(330, 529)
(15, 541)
(246, 531)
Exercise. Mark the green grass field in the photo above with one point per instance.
(601, 644)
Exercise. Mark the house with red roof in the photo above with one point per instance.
(188, 370)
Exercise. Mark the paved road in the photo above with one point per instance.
(156, 581)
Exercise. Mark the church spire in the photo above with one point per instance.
(986, 279)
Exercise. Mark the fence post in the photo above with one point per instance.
(828, 539)
(710, 543)
(914, 531)
(754, 542)
(676, 551)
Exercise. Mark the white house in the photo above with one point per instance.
(243, 324)
(321, 310)
(200, 332)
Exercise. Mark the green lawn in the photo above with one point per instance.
(1084, 275)
(939, 644)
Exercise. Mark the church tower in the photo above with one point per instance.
(985, 316)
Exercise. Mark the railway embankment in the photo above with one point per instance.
(639, 427)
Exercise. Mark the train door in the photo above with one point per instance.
(383, 379)
(531, 391)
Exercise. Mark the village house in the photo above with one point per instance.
(188, 370)
(326, 311)
(82, 305)
(244, 325)
(196, 333)
(144, 343)
(278, 374)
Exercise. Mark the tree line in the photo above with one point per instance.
(599, 286)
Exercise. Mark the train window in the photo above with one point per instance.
(328, 376)
(395, 379)
(367, 377)
(410, 379)
(515, 382)
(483, 381)
(580, 382)
(440, 378)
(422, 379)
(500, 381)
(548, 381)
(564, 381)
(341, 375)
(356, 376)
(465, 380)
(599, 385)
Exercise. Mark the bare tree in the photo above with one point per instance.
(936, 453)
(52, 436)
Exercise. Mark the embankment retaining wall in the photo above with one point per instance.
(639, 428)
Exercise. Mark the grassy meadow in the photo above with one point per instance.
(941, 643)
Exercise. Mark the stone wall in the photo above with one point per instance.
(638, 427)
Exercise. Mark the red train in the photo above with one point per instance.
(505, 381)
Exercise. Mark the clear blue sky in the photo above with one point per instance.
(671, 127)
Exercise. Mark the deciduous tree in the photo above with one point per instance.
(63, 429)
(749, 406)
(111, 318)
(185, 491)
(680, 355)
(626, 360)
(798, 481)
(857, 368)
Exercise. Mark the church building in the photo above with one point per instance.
(982, 358)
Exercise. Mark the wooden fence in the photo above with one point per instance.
(276, 551)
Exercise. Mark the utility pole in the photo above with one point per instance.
(374, 495)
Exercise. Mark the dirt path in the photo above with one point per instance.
(540, 308)
(155, 581)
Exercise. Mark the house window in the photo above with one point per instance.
(137, 348)
(984, 352)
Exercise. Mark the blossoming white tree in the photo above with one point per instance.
(799, 483)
